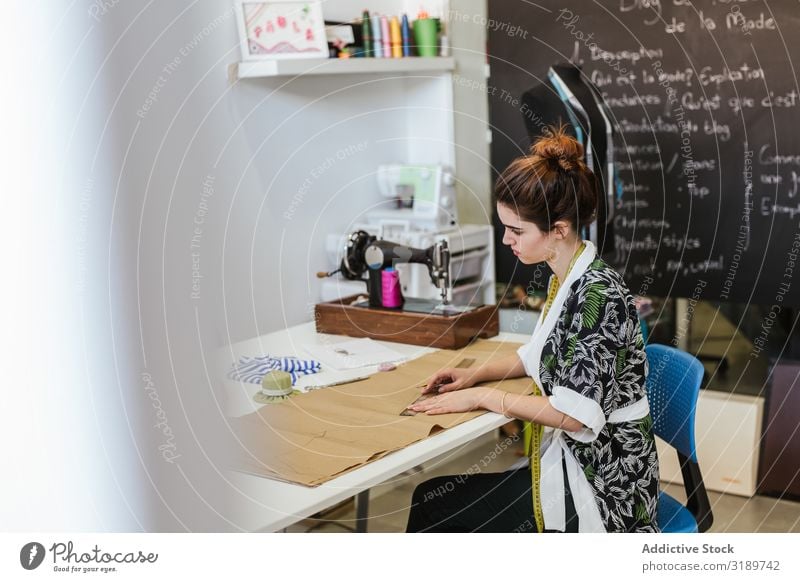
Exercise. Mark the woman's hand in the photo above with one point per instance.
(450, 379)
(461, 401)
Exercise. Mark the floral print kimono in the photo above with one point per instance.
(587, 356)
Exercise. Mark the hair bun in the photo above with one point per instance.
(559, 149)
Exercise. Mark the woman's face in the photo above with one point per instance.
(530, 244)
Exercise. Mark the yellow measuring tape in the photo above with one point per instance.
(532, 432)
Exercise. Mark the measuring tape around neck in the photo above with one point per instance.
(533, 432)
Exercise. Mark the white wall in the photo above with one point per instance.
(470, 101)
(267, 143)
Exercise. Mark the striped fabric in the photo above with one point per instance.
(252, 369)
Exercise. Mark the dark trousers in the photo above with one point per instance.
(489, 502)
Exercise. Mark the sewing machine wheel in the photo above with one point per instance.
(353, 264)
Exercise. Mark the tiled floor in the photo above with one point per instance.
(388, 510)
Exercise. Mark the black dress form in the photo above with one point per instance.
(571, 99)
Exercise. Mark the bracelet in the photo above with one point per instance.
(503, 405)
(561, 422)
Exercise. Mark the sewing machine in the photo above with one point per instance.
(446, 270)
(420, 322)
(418, 211)
(365, 253)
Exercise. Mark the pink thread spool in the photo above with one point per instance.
(390, 288)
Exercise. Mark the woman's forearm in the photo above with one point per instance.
(532, 408)
(500, 369)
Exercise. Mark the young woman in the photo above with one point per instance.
(593, 458)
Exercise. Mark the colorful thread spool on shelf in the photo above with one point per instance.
(426, 31)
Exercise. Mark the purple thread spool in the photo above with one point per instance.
(390, 288)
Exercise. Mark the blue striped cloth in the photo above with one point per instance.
(252, 369)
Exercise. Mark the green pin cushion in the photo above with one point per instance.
(275, 386)
(278, 382)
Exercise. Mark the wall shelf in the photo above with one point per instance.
(353, 66)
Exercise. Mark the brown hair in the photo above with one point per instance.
(551, 183)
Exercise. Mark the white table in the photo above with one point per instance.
(264, 504)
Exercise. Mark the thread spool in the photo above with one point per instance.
(377, 43)
(391, 296)
(386, 37)
(396, 38)
(405, 33)
(426, 32)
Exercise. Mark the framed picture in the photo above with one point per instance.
(289, 29)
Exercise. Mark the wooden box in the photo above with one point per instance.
(420, 329)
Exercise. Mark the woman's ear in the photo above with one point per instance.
(561, 229)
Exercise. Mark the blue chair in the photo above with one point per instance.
(673, 384)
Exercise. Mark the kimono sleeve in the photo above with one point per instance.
(524, 353)
(588, 357)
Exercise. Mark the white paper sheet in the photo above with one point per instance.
(352, 354)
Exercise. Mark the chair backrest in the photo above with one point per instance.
(673, 385)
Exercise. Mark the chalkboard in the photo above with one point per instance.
(706, 98)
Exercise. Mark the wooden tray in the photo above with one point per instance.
(420, 329)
